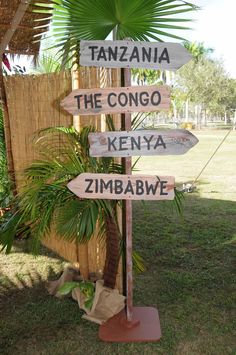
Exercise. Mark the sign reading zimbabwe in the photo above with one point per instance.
(123, 187)
(147, 142)
(129, 54)
(117, 100)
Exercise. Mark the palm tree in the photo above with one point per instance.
(198, 50)
(146, 76)
(45, 202)
(46, 199)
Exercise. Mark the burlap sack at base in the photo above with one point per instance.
(106, 303)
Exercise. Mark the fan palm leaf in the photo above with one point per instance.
(139, 20)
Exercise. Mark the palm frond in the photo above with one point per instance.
(140, 20)
(45, 202)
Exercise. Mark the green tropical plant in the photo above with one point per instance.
(87, 288)
(45, 202)
(48, 60)
(139, 20)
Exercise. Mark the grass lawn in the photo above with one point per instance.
(190, 273)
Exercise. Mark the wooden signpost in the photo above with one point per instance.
(123, 187)
(129, 54)
(136, 323)
(147, 142)
(117, 100)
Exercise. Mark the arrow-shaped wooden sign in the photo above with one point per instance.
(117, 100)
(146, 142)
(123, 187)
(129, 54)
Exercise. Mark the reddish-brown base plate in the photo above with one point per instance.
(144, 328)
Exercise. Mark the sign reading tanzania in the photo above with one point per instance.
(129, 54)
(123, 187)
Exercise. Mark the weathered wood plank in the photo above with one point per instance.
(146, 142)
(117, 100)
(123, 187)
(129, 54)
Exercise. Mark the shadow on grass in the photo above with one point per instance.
(189, 279)
(30, 317)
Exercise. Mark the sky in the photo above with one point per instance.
(215, 26)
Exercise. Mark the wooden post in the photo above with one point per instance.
(234, 123)
(127, 216)
(22, 7)
(82, 249)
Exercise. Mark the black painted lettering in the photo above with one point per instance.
(146, 54)
(105, 185)
(136, 143)
(148, 141)
(97, 101)
(90, 181)
(133, 98)
(109, 99)
(112, 53)
(102, 54)
(122, 59)
(143, 101)
(155, 55)
(139, 187)
(96, 185)
(158, 100)
(129, 188)
(122, 99)
(151, 188)
(159, 142)
(88, 99)
(123, 141)
(134, 55)
(93, 51)
(163, 187)
(78, 100)
(118, 187)
(111, 145)
(164, 56)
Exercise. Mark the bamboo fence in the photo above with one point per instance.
(34, 103)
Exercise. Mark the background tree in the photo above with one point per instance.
(205, 83)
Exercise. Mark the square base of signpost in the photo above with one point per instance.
(144, 328)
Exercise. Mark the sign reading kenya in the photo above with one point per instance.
(147, 142)
(123, 187)
(129, 54)
(117, 100)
